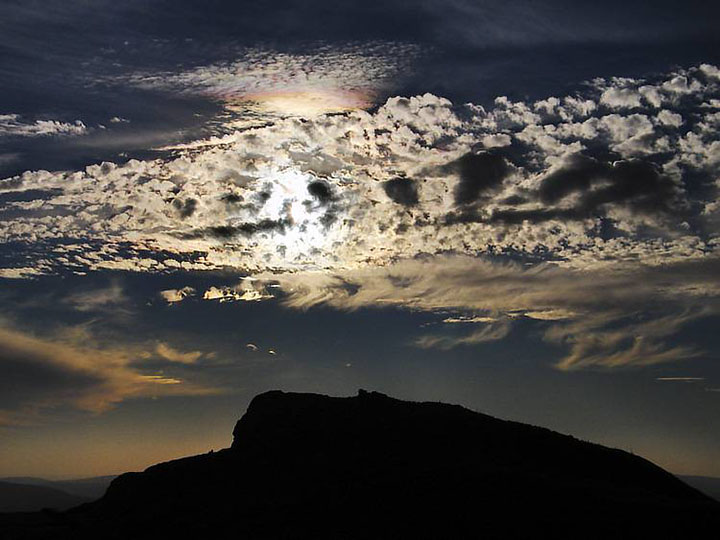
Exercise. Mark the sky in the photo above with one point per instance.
(505, 205)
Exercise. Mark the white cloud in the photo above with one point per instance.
(12, 125)
(464, 320)
(305, 195)
(550, 315)
(172, 296)
(246, 291)
(619, 98)
(670, 118)
(21, 272)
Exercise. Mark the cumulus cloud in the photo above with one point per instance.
(248, 290)
(172, 296)
(20, 272)
(619, 98)
(12, 125)
(616, 185)
(576, 182)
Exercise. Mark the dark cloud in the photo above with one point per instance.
(185, 208)
(638, 184)
(233, 198)
(320, 190)
(328, 218)
(402, 191)
(578, 174)
(248, 229)
(513, 217)
(514, 200)
(635, 184)
(228, 232)
(479, 174)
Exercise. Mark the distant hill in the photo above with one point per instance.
(306, 466)
(90, 488)
(26, 498)
(708, 485)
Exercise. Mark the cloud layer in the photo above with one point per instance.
(603, 318)
(267, 85)
(627, 171)
(570, 211)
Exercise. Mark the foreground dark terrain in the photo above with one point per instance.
(371, 467)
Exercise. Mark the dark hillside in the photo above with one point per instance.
(372, 467)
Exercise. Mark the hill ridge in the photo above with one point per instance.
(372, 466)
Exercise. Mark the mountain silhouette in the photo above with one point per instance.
(16, 497)
(307, 466)
(86, 488)
(708, 485)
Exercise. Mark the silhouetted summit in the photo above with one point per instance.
(373, 467)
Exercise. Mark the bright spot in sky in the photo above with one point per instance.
(291, 203)
(304, 102)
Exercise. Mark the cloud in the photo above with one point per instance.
(549, 315)
(321, 191)
(173, 355)
(41, 373)
(604, 318)
(619, 98)
(578, 183)
(266, 84)
(172, 296)
(402, 191)
(634, 184)
(111, 298)
(494, 331)
(12, 125)
(477, 174)
(20, 272)
(246, 291)
(465, 320)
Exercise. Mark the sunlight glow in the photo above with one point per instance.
(307, 102)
